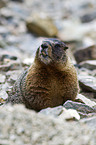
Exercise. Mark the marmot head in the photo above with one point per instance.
(52, 51)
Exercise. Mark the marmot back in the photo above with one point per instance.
(50, 80)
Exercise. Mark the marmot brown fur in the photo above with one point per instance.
(50, 80)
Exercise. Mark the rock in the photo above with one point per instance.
(73, 30)
(56, 111)
(24, 126)
(88, 17)
(7, 57)
(82, 109)
(13, 65)
(61, 113)
(2, 43)
(12, 40)
(89, 64)
(12, 76)
(88, 53)
(90, 95)
(3, 3)
(6, 13)
(18, 0)
(87, 83)
(3, 95)
(69, 115)
(82, 99)
(41, 26)
(91, 121)
(28, 61)
(4, 30)
(2, 78)
(9, 62)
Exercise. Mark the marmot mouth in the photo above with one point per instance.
(45, 55)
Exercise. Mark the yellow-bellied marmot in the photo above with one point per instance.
(50, 80)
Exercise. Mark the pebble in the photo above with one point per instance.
(88, 64)
(82, 99)
(69, 115)
(83, 109)
(3, 95)
(87, 83)
(56, 111)
(88, 17)
(83, 54)
(2, 78)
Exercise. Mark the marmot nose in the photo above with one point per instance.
(44, 46)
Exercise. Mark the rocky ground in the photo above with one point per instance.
(23, 25)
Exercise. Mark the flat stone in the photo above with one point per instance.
(3, 95)
(88, 53)
(83, 109)
(87, 83)
(82, 99)
(69, 115)
(2, 78)
(91, 121)
(3, 30)
(89, 64)
(12, 76)
(2, 44)
(18, 0)
(56, 111)
(9, 62)
(28, 61)
(41, 26)
(10, 66)
(6, 13)
(61, 113)
(87, 17)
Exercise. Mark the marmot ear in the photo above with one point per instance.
(66, 47)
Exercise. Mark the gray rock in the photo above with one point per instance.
(88, 53)
(87, 83)
(82, 99)
(2, 78)
(89, 64)
(61, 113)
(18, 0)
(83, 109)
(56, 111)
(9, 62)
(6, 13)
(12, 76)
(2, 44)
(24, 127)
(3, 95)
(88, 17)
(4, 30)
(91, 121)
(10, 66)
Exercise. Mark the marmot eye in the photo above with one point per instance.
(57, 45)
(44, 46)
